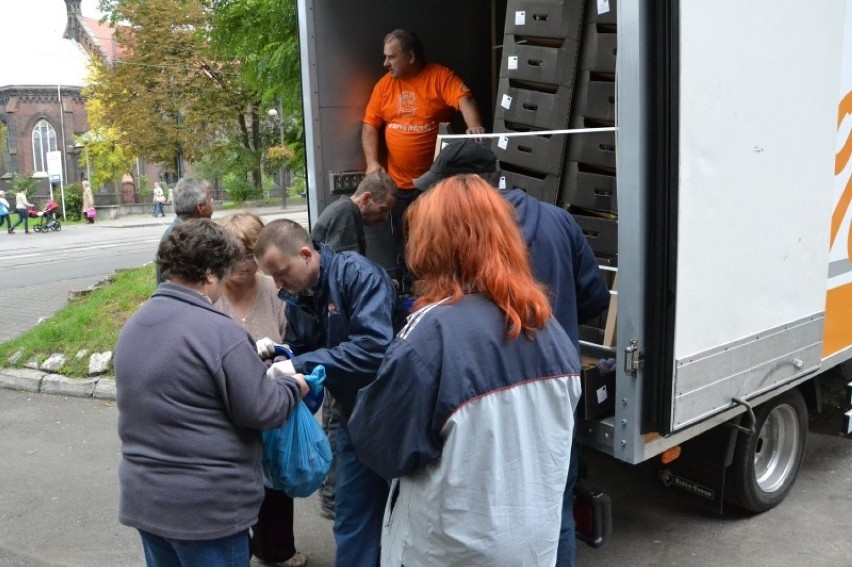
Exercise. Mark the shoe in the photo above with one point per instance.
(327, 511)
(299, 559)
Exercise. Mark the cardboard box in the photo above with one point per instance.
(598, 400)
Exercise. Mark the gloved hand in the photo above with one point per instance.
(265, 347)
(281, 369)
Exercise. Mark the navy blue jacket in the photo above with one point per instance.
(562, 259)
(345, 324)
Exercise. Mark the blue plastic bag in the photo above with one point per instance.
(314, 398)
(297, 455)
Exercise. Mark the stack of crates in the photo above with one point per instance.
(588, 186)
(538, 67)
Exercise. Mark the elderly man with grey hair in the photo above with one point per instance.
(193, 199)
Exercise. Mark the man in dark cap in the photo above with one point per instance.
(560, 257)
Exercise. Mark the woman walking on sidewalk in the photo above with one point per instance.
(22, 208)
(159, 199)
(88, 202)
(4, 211)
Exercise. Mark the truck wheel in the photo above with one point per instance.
(765, 464)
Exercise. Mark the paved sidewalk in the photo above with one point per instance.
(149, 220)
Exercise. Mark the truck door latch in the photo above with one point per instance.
(633, 358)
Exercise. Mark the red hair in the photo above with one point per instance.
(463, 238)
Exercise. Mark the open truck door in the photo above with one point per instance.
(716, 201)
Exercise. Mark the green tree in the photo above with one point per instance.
(106, 157)
(168, 97)
(263, 35)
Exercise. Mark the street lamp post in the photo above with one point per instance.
(279, 122)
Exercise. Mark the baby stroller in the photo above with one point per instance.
(48, 217)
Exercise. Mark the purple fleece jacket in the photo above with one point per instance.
(192, 398)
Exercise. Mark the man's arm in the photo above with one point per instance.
(471, 116)
(370, 144)
(352, 363)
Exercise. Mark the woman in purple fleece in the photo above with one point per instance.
(192, 397)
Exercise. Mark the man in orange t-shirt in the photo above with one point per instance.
(410, 101)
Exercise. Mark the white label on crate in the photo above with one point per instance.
(520, 18)
(601, 394)
(503, 142)
(506, 102)
(603, 6)
(513, 62)
(502, 183)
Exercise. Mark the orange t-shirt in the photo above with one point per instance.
(411, 110)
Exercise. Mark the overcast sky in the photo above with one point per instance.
(31, 43)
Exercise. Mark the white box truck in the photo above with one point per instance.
(734, 181)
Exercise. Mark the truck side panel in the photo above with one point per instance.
(757, 132)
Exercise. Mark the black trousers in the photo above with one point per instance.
(272, 536)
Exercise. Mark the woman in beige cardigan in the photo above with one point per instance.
(88, 201)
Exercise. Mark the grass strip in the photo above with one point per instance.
(90, 323)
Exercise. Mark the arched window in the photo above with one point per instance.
(44, 140)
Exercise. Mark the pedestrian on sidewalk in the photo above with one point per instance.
(251, 299)
(341, 227)
(193, 398)
(482, 378)
(339, 310)
(88, 202)
(4, 211)
(159, 199)
(22, 207)
(193, 200)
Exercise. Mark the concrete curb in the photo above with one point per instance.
(28, 380)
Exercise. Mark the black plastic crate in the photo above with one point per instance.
(588, 189)
(543, 109)
(552, 65)
(544, 18)
(542, 153)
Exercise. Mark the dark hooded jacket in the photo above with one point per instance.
(343, 324)
(561, 259)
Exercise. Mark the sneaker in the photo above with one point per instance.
(299, 559)
(327, 510)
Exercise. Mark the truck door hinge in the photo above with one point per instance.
(633, 358)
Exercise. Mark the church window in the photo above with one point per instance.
(44, 140)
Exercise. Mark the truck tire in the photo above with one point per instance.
(766, 464)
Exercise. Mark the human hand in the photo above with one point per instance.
(265, 347)
(373, 167)
(476, 130)
(281, 369)
(303, 386)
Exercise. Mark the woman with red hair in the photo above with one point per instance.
(472, 409)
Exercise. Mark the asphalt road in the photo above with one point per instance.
(59, 500)
(39, 269)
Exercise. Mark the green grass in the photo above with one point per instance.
(91, 323)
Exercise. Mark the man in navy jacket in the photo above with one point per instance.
(339, 315)
(560, 257)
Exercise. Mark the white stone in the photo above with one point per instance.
(99, 362)
(54, 362)
(81, 353)
(13, 360)
(32, 363)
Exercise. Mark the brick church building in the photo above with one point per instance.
(42, 109)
